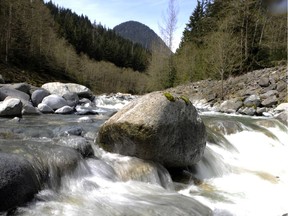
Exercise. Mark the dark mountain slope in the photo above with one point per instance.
(142, 34)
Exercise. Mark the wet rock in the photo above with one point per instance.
(282, 107)
(85, 119)
(223, 126)
(29, 109)
(54, 101)
(76, 131)
(71, 98)
(83, 110)
(64, 88)
(49, 162)
(78, 143)
(231, 106)
(18, 181)
(252, 101)
(6, 91)
(102, 169)
(86, 102)
(65, 110)
(23, 87)
(269, 102)
(15, 120)
(43, 108)
(261, 110)
(267, 114)
(144, 171)
(38, 95)
(11, 107)
(264, 82)
(155, 128)
(283, 117)
(247, 111)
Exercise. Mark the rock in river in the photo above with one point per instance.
(64, 88)
(38, 95)
(18, 181)
(54, 101)
(158, 128)
(11, 107)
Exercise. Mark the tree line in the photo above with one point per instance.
(97, 41)
(224, 38)
(31, 40)
(221, 39)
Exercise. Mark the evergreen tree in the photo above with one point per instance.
(247, 29)
(98, 42)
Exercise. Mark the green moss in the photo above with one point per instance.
(186, 100)
(169, 96)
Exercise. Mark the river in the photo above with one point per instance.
(243, 172)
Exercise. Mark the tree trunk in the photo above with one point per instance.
(262, 31)
(222, 84)
(8, 34)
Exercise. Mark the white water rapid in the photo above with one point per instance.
(244, 172)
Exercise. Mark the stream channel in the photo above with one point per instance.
(244, 170)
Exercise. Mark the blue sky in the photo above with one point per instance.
(113, 12)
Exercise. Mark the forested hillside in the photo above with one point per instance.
(97, 41)
(142, 34)
(30, 43)
(40, 43)
(224, 38)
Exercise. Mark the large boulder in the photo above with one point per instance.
(18, 181)
(282, 107)
(23, 87)
(252, 101)
(247, 111)
(231, 106)
(155, 127)
(7, 91)
(54, 101)
(29, 109)
(43, 108)
(38, 95)
(64, 88)
(269, 102)
(65, 110)
(269, 94)
(264, 82)
(11, 107)
(71, 98)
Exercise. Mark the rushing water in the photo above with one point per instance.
(243, 172)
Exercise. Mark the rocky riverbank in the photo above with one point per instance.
(35, 152)
(258, 93)
(262, 93)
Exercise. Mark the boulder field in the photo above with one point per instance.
(59, 98)
(257, 93)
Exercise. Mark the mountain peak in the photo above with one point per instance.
(142, 34)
